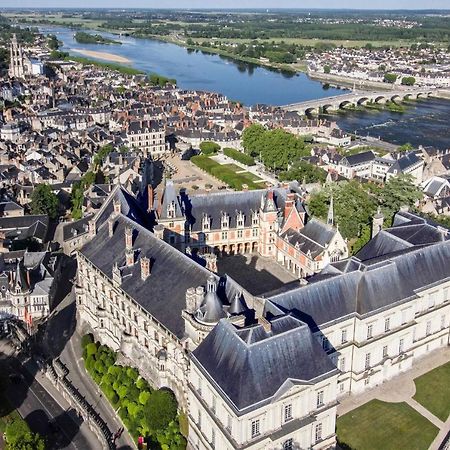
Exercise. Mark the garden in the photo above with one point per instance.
(147, 412)
(226, 173)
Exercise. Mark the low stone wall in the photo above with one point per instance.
(56, 372)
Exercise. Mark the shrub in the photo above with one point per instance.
(86, 339)
(209, 148)
(239, 156)
(91, 349)
(144, 397)
(160, 410)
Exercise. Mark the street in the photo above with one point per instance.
(61, 428)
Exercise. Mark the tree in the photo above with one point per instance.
(326, 69)
(19, 437)
(209, 148)
(303, 170)
(160, 410)
(363, 239)
(398, 191)
(44, 201)
(390, 78)
(408, 81)
(251, 138)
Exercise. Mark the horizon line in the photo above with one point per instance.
(237, 8)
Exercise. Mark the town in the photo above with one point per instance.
(179, 270)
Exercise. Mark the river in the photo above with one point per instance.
(423, 123)
(245, 82)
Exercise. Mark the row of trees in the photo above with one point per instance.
(144, 411)
(18, 436)
(277, 148)
(356, 203)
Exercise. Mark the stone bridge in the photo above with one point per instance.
(355, 99)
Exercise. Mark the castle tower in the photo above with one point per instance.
(377, 223)
(268, 225)
(16, 64)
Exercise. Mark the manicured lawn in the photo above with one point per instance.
(385, 426)
(433, 391)
(226, 172)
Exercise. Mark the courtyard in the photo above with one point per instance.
(256, 274)
(380, 425)
(410, 411)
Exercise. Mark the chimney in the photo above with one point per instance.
(377, 223)
(159, 231)
(28, 278)
(191, 300)
(150, 195)
(404, 208)
(92, 228)
(265, 324)
(211, 262)
(129, 257)
(110, 227)
(117, 207)
(289, 204)
(145, 268)
(128, 238)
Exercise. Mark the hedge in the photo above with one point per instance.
(239, 156)
(144, 411)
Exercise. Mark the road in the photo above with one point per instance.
(39, 408)
(61, 340)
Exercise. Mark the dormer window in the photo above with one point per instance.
(225, 221)
(255, 219)
(171, 210)
(206, 223)
(240, 220)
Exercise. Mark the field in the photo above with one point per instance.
(388, 426)
(433, 391)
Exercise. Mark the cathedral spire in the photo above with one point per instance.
(330, 218)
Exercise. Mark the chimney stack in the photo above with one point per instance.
(92, 228)
(117, 207)
(110, 227)
(265, 324)
(145, 268)
(128, 237)
(129, 257)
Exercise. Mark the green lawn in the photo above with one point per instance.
(226, 173)
(433, 391)
(377, 425)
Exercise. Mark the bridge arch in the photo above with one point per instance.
(395, 98)
(362, 101)
(328, 108)
(345, 103)
(380, 99)
(311, 111)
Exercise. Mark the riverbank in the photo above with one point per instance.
(292, 69)
(340, 81)
(102, 55)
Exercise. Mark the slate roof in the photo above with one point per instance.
(361, 287)
(313, 237)
(408, 230)
(163, 293)
(404, 163)
(214, 204)
(359, 158)
(250, 364)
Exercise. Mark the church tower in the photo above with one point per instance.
(330, 217)
(16, 64)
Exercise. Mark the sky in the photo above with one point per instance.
(357, 4)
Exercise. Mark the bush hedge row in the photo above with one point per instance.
(239, 156)
(223, 173)
(144, 411)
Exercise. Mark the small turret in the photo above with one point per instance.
(377, 223)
